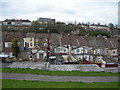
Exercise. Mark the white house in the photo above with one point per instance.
(83, 52)
(113, 52)
(99, 27)
(7, 51)
(61, 49)
(82, 49)
(100, 51)
(16, 22)
(41, 54)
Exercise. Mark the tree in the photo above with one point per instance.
(15, 47)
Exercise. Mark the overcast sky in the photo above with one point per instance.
(103, 11)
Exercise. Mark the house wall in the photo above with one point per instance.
(30, 41)
(39, 53)
(113, 52)
(80, 50)
(18, 23)
(100, 51)
(100, 27)
(26, 23)
(9, 44)
(61, 50)
(8, 53)
(87, 57)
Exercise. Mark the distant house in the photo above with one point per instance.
(7, 48)
(41, 54)
(100, 27)
(38, 53)
(7, 51)
(83, 52)
(86, 26)
(61, 49)
(112, 45)
(100, 51)
(16, 22)
(45, 21)
(29, 41)
(92, 45)
(113, 52)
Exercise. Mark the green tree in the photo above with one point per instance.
(15, 47)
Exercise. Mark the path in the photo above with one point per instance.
(90, 79)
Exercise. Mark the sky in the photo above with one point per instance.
(93, 11)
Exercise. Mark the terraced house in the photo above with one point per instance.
(16, 22)
(80, 46)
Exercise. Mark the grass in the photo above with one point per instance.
(47, 84)
(59, 73)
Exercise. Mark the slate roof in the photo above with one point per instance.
(16, 20)
(7, 50)
(97, 42)
(11, 36)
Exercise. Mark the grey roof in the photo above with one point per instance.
(30, 35)
(99, 42)
(16, 20)
(73, 40)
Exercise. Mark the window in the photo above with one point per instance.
(80, 58)
(58, 49)
(31, 44)
(45, 45)
(26, 44)
(85, 57)
(113, 52)
(30, 39)
(64, 50)
(46, 40)
(9, 45)
(41, 56)
(77, 50)
(9, 22)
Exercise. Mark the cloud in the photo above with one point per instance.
(104, 11)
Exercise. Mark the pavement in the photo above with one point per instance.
(89, 79)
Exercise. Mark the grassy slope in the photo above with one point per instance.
(63, 73)
(46, 84)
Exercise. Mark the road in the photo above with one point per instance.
(89, 79)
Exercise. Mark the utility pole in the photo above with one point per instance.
(47, 65)
(48, 47)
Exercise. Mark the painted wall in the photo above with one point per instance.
(30, 42)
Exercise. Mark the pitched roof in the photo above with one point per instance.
(16, 20)
(11, 36)
(36, 48)
(77, 40)
(99, 42)
(7, 50)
